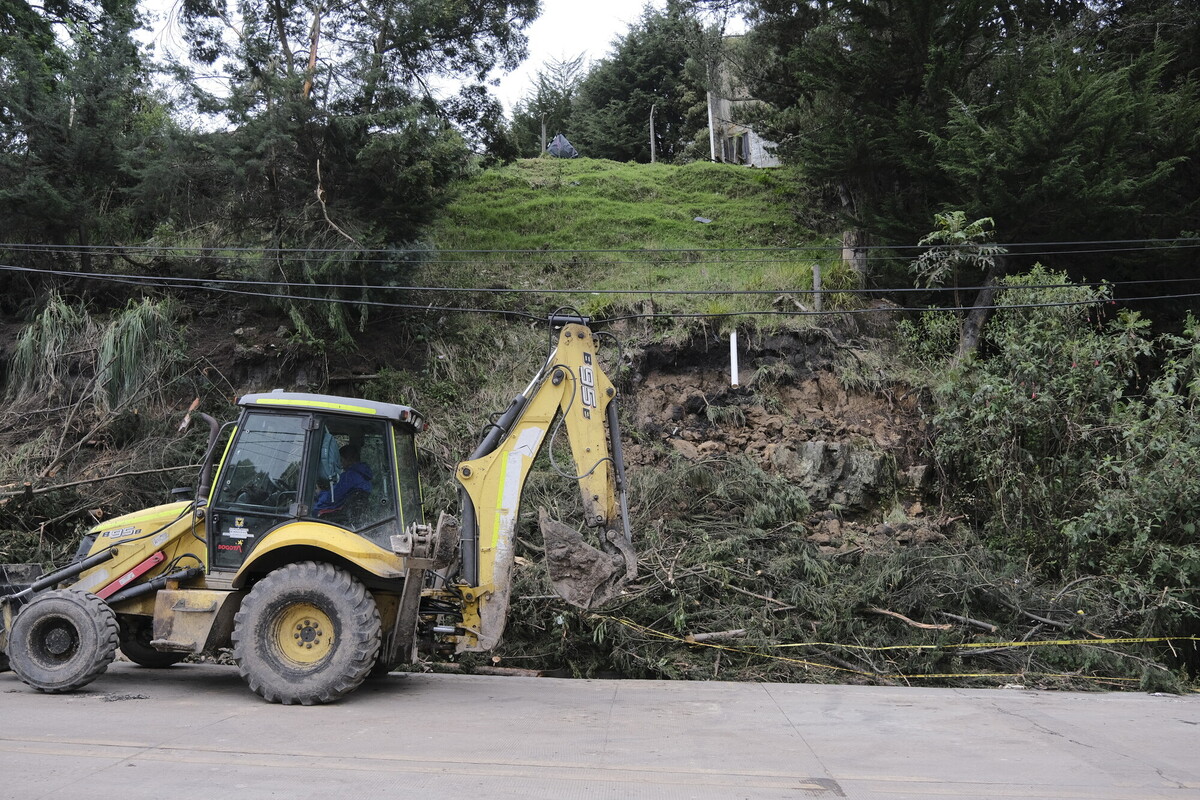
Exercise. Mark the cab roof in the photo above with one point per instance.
(351, 406)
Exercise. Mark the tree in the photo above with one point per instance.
(647, 69)
(1034, 113)
(955, 245)
(74, 103)
(546, 109)
(855, 86)
(1072, 145)
(332, 110)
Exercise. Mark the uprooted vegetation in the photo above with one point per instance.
(854, 510)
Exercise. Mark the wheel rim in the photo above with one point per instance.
(55, 641)
(304, 634)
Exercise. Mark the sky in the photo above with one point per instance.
(565, 29)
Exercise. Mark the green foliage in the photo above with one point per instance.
(65, 355)
(699, 527)
(139, 351)
(955, 245)
(722, 549)
(929, 340)
(74, 103)
(1143, 518)
(1066, 453)
(647, 68)
(1066, 148)
(1063, 121)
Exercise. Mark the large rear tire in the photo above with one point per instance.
(307, 633)
(136, 633)
(62, 640)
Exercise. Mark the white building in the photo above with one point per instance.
(731, 141)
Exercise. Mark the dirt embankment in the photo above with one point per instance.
(859, 454)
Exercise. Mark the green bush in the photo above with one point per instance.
(1063, 452)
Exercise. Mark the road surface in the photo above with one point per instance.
(195, 731)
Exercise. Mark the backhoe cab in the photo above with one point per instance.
(308, 554)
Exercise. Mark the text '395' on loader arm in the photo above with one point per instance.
(305, 549)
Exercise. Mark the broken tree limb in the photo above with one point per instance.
(320, 191)
(913, 623)
(1065, 626)
(715, 636)
(29, 491)
(517, 672)
(753, 594)
(985, 626)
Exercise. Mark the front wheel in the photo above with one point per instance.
(62, 640)
(307, 633)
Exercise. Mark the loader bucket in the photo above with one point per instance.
(581, 574)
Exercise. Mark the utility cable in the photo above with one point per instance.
(211, 251)
(166, 281)
(665, 315)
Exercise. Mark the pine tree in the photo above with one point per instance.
(547, 108)
(646, 71)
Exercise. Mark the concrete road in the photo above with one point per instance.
(195, 731)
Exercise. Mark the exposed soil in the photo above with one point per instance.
(860, 456)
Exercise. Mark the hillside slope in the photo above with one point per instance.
(585, 203)
(627, 229)
(800, 508)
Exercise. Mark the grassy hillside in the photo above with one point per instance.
(595, 224)
(586, 203)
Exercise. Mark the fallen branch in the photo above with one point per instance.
(985, 626)
(868, 671)
(759, 596)
(449, 666)
(715, 636)
(913, 623)
(1060, 625)
(325, 211)
(29, 492)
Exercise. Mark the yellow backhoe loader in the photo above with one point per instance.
(305, 548)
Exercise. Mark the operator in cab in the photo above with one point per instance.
(355, 477)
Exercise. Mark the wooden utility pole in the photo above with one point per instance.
(543, 133)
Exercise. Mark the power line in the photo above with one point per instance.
(658, 315)
(168, 281)
(214, 251)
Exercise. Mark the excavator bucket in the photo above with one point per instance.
(583, 575)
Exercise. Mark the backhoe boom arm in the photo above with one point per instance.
(570, 391)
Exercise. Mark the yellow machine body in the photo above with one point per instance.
(309, 554)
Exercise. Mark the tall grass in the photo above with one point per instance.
(139, 349)
(47, 351)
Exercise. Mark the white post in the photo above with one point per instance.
(733, 362)
(817, 285)
(652, 147)
(712, 129)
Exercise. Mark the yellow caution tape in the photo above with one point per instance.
(628, 623)
(1039, 643)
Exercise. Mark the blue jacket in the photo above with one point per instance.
(355, 478)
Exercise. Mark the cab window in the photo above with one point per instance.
(263, 470)
(410, 480)
(353, 479)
